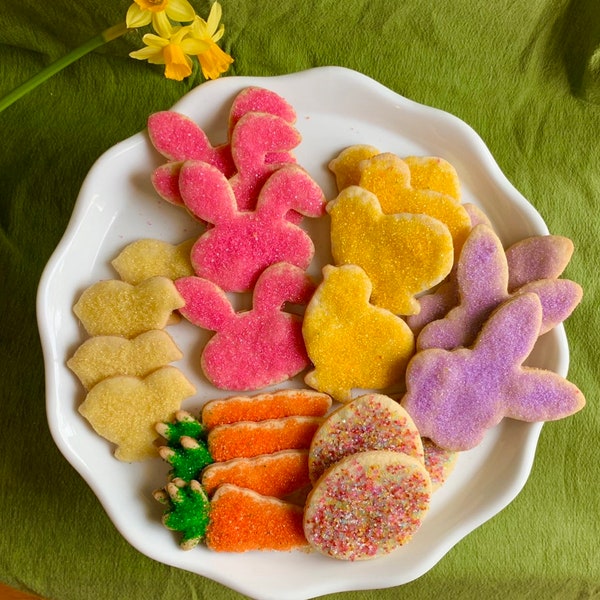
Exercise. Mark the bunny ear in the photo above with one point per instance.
(165, 180)
(256, 99)
(178, 137)
(482, 252)
(290, 188)
(508, 336)
(258, 134)
(206, 305)
(206, 192)
(559, 298)
(280, 283)
(538, 257)
(541, 395)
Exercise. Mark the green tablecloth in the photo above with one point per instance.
(524, 74)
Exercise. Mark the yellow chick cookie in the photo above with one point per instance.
(124, 409)
(345, 166)
(104, 356)
(351, 343)
(114, 307)
(147, 258)
(402, 254)
(389, 178)
(433, 173)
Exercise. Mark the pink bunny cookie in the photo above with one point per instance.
(256, 348)
(455, 396)
(482, 275)
(178, 138)
(234, 252)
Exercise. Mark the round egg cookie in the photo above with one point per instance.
(370, 422)
(367, 505)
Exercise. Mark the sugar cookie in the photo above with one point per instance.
(367, 505)
(102, 356)
(370, 422)
(345, 166)
(114, 307)
(124, 409)
(403, 254)
(439, 463)
(351, 343)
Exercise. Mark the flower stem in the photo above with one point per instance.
(106, 36)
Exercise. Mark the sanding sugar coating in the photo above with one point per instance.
(367, 505)
(371, 422)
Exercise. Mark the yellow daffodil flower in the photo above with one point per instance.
(213, 60)
(171, 46)
(142, 12)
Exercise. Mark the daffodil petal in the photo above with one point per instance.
(218, 34)
(145, 53)
(214, 18)
(180, 10)
(162, 25)
(150, 39)
(136, 17)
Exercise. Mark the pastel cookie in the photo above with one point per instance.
(114, 307)
(273, 405)
(455, 396)
(255, 348)
(370, 422)
(351, 342)
(403, 254)
(439, 463)
(243, 520)
(124, 409)
(433, 173)
(346, 165)
(240, 245)
(367, 505)
(482, 275)
(102, 356)
(148, 258)
(391, 180)
(278, 474)
(246, 439)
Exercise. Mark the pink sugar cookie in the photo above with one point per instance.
(351, 342)
(367, 505)
(255, 348)
(482, 275)
(370, 422)
(455, 396)
(234, 252)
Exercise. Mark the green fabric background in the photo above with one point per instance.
(524, 73)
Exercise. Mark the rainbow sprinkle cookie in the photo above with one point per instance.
(371, 422)
(367, 505)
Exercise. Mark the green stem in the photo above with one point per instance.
(106, 36)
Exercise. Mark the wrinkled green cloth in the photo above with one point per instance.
(525, 74)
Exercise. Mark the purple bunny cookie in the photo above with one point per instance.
(455, 396)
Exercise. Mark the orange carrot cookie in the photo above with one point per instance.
(104, 356)
(115, 307)
(125, 409)
(371, 422)
(390, 179)
(403, 254)
(278, 474)
(274, 405)
(242, 520)
(367, 505)
(147, 258)
(246, 439)
(352, 343)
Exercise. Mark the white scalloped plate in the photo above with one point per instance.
(336, 107)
